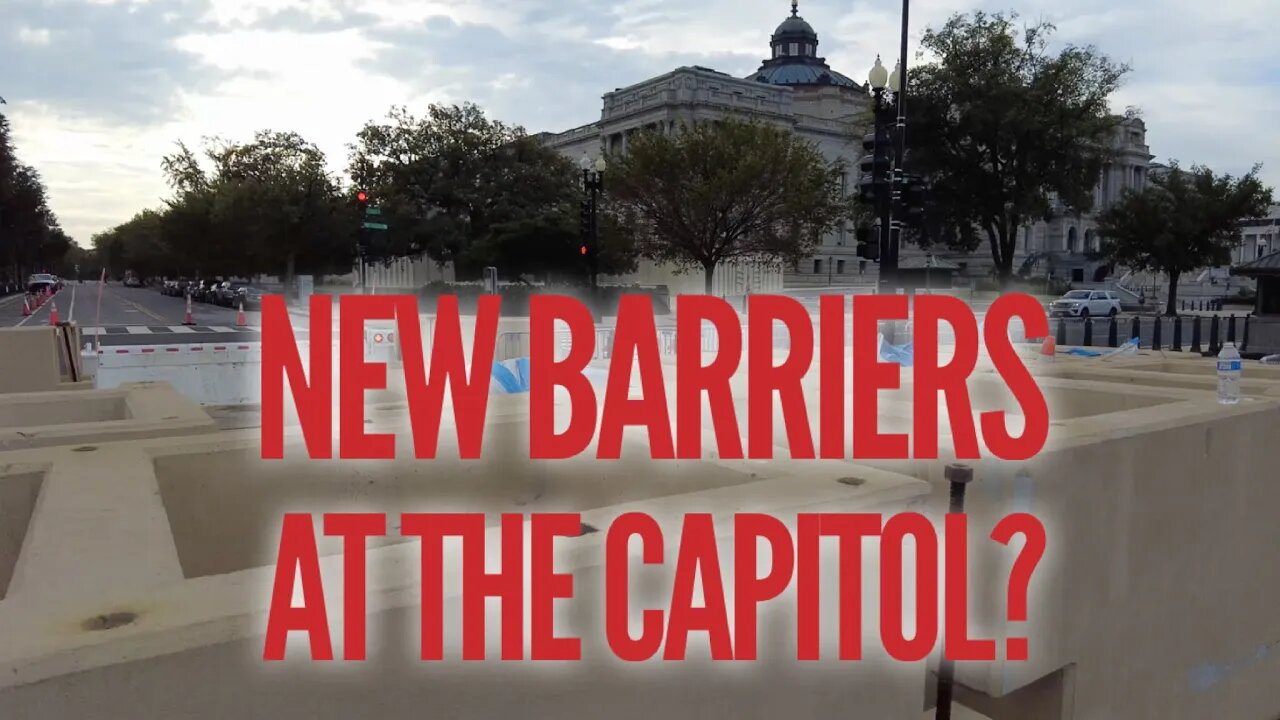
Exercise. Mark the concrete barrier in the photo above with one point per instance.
(135, 410)
(158, 601)
(210, 374)
(35, 359)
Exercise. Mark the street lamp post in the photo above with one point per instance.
(592, 186)
(878, 79)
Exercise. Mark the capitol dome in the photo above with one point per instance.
(795, 60)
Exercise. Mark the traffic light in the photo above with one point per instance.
(868, 247)
(362, 201)
(585, 228)
(874, 168)
(914, 196)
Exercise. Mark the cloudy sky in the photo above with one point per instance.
(99, 90)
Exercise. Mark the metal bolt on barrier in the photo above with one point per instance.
(957, 475)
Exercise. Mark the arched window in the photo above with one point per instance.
(1089, 240)
(1071, 240)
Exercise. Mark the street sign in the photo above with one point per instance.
(373, 211)
(374, 226)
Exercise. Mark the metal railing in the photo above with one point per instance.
(1182, 333)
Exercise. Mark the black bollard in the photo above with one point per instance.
(1061, 337)
(1113, 332)
(1088, 333)
(1156, 332)
(1231, 329)
(957, 476)
(1215, 343)
(1177, 333)
(1244, 341)
(1195, 335)
(1135, 331)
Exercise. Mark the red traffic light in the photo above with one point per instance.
(362, 196)
(583, 250)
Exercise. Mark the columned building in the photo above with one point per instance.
(794, 88)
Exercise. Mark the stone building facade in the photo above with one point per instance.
(796, 89)
(1062, 247)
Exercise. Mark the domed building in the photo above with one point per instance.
(794, 88)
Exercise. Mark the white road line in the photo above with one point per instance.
(71, 311)
(181, 329)
(138, 329)
(222, 328)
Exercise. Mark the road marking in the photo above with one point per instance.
(137, 307)
(181, 329)
(33, 314)
(71, 311)
(139, 330)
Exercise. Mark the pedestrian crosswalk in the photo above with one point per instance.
(163, 330)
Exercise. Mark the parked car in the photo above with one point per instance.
(201, 290)
(252, 298)
(1083, 303)
(226, 293)
(40, 282)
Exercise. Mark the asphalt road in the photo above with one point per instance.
(133, 316)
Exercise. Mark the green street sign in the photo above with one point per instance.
(374, 226)
(373, 211)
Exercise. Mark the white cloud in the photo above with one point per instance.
(34, 36)
(1204, 74)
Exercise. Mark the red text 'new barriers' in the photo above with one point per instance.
(848, 372)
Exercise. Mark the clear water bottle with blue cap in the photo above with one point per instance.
(1229, 370)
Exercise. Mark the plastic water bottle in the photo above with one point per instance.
(1229, 375)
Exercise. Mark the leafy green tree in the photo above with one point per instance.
(30, 237)
(465, 189)
(265, 206)
(137, 245)
(1181, 221)
(1000, 125)
(726, 190)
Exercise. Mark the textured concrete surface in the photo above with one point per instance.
(135, 410)
(179, 552)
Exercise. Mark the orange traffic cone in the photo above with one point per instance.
(1049, 348)
(53, 313)
(188, 320)
(240, 321)
(26, 306)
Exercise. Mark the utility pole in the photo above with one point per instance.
(897, 213)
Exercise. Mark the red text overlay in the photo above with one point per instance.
(832, 360)
(726, 618)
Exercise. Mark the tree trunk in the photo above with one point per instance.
(1001, 255)
(1171, 308)
(289, 263)
(708, 274)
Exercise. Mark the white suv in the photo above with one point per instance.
(1083, 303)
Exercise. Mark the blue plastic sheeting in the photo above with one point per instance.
(900, 354)
(510, 376)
